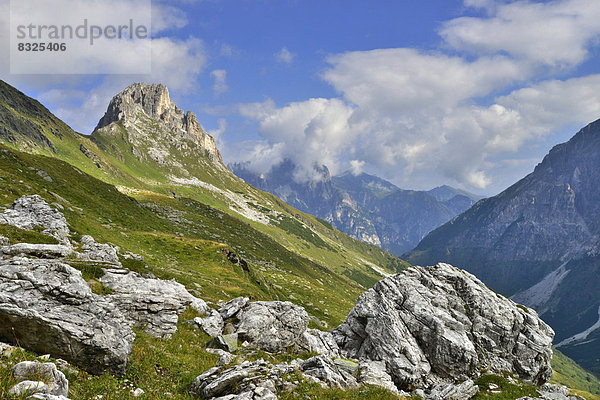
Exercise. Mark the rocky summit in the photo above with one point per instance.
(138, 104)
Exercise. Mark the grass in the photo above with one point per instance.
(309, 391)
(17, 235)
(510, 391)
(570, 374)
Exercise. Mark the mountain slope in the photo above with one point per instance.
(364, 206)
(539, 242)
(154, 153)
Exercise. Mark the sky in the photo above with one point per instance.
(469, 93)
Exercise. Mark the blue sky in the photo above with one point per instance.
(471, 93)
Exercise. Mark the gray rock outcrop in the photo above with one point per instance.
(37, 250)
(441, 324)
(54, 381)
(232, 307)
(320, 342)
(48, 307)
(550, 391)
(98, 252)
(139, 101)
(154, 304)
(271, 325)
(29, 212)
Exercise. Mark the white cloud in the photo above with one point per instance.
(426, 117)
(285, 56)
(356, 167)
(390, 80)
(220, 78)
(555, 33)
(315, 131)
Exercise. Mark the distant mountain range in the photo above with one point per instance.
(363, 206)
(539, 242)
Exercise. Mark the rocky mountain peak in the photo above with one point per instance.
(140, 102)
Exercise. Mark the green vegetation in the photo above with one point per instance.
(568, 373)
(17, 235)
(306, 390)
(508, 390)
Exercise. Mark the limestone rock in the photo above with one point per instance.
(139, 101)
(154, 304)
(256, 380)
(225, 357)
(212, 324)
(46, 396)
(55, 380)
(48, 307)
(325, 370)
(29, 212)
(232, 307)
(37, 250)
(28, 387)
(98, 252)
(314, 340)
(462, 391)
(439, 322)
(550, 391)
(271, 325)
(374, 373)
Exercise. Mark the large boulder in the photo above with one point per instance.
(441, 324)
(154, 304)
(29, 212)
(273, 326)
(48, 307)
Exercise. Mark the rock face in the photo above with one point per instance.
(94, 251)
(363, 206)
(538, 241)
(442, 324)
(271, 325)
(153, 304)
(49, 308)
(141, 101)
(29, 212)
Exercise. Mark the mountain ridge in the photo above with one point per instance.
(542, 234)
(363, 206)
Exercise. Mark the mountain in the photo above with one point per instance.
(539, 242)
(132, 253)
(147, 150)
(364, 206)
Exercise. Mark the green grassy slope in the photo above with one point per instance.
(110, 159)
(182, 238)
(570, 374)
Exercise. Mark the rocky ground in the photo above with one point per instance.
(428, 332)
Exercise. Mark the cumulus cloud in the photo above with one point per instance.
(285, 56)
(313, 132)
(556, 33)
(450, 115)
